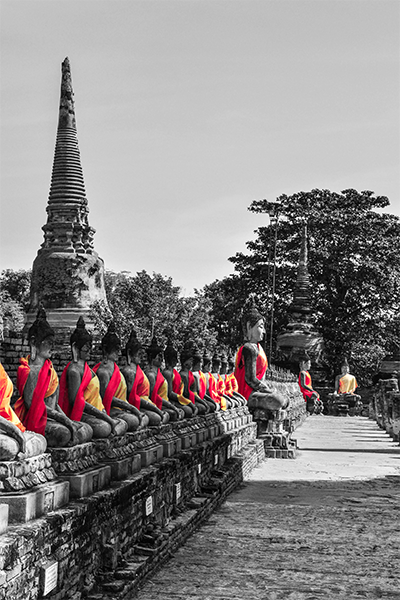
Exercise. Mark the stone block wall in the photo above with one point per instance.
(384, 406)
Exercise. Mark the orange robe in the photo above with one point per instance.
(306, 393)
(177, 387)
(140, 388)
(261, 367)
(6, 391)
(156, 397)
(347, 384)
(88, 391)
(116, 387)
(202, 384)
(34, 418)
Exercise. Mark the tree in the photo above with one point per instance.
(354, 264)
(14, 299)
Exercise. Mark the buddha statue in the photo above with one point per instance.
(158, 384)
(138, 386)
(231, 386)
(220, 383)
(314, 403)
(175, 383)
(112, 383)
(345, 383)
(344, 399)
(37, 382)
(211, 390)
(251, 365)
(189, 382)
(201, 381)
(80, 389)
(16, 442)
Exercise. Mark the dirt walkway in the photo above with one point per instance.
(326, 525)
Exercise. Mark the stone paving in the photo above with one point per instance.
(323, 526)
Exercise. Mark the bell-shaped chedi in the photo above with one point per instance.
(299, 336)
(67, 274)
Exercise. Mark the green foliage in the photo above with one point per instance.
(14, 299)
(151, 304)
(354, 264)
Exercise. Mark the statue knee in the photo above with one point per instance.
(35, 443)
(131, 420)
(57, 435)
(9, 447)
(153, 418)
(84, 432)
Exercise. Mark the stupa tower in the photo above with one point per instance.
(299, 336)
(67, 274)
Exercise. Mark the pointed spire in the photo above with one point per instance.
(302, 290)
(67, 226)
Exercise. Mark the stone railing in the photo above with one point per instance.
(384, 406)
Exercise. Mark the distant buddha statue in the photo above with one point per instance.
(200, 380)
(345, 383)
(220, 383)
(37, 383)
(211, 382)
(80, 389)
(231, 386)
(251, 365)
(175, 383)
(15, 440)
(189, 382)
(112, 383)
(158, 384)
(138, 386)
(314, 403)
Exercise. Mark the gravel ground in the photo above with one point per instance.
(326, 525)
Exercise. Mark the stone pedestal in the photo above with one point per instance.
(4, 510)
(27, 505)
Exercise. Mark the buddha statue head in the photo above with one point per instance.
(253, 323)
(216, 362)
(186, 356)
(304, 362)
(155, 353)
(111, 344)
(196, 366)
(344, 367)
(81, 342)
(206, 360)
(170, 354)
(133, 349)
(41, 336)
(224, 362)
(231, 362)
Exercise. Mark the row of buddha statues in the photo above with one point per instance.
(91, 403)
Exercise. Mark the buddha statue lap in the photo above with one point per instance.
(314, 402)
(113, 387)
(138, 386)
(251, 365)
(175, 383)
(158, 384)
(37, 382)
(80, 389)
(16, 442)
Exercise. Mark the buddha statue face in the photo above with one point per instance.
(82, 353)
(158, 360)
(256, 332)
(187, 363)
(305, 365)
(344, 369)
(113, 353)
(136, 356)
(43, 348)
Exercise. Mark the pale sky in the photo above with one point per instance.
(187, 110)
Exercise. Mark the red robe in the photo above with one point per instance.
(112, 386)
(34, 418)
(155, 396)
(74, 412)
(261, 367)
(202, 384)
(306, 393)
(140, 388)
(6, 391)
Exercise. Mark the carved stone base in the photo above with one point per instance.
(27, 505)
(88, 482)
(19, 475)
(74, 459)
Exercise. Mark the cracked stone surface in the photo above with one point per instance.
(323, 526)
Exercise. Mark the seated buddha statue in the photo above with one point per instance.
(201, 380)
(251, 365)
(314, 403)
(112, 383)
(189, 383)
(220, 382)
(175, 383)
(212, 382)
(158, 384)
(15, 440)
(345, 383)
(37, 382)
(230, 382)
(80, 389)
(138, 386)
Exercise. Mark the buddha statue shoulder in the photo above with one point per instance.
(38, 385)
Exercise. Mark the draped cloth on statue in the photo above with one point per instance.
(228, 385)
(177, 388)
(213, 391)
(308, 382)
(158, 389)
(88, 391)
(347, 384)
(261, 367)
(116, 387)
(140, 389)
(34, 418)
(202, 384)
(6, 391)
